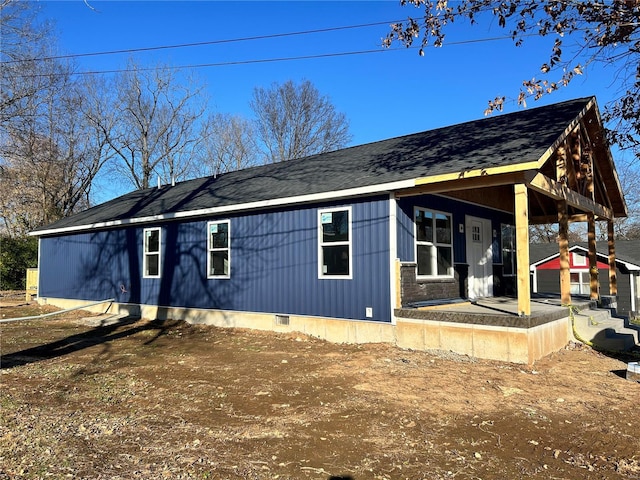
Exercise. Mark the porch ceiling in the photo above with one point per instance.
(497, 192)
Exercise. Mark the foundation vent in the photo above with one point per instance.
(282, 319)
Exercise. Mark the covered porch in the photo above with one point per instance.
(574, 180)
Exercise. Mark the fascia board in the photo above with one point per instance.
(227, 209)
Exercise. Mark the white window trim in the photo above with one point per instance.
(145, 254)
(209, 249)
(582, 275)
(321, 274)
(434, 260)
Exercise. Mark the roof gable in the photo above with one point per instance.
(627, 252)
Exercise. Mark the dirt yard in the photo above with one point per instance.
(169, 400)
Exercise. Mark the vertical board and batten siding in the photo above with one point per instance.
(273, 258)
(92, 266)
(458, 210)
(624, 290)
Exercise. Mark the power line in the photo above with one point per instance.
(199, 44)
(273, 60)
(232, 40)
(243, 62)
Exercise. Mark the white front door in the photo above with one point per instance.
(479, 257)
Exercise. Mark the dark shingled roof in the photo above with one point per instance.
(500, 140)
(626, 250)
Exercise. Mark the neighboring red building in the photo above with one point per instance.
(545, 270)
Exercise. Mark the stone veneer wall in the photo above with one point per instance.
(414, 290)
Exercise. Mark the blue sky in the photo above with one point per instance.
(382, 94)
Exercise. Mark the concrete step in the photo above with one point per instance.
(605, 332)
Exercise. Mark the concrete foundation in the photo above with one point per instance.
(503, 338)
(507, 344)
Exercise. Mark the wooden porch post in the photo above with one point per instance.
(522, 248)
(593, 258)
(613, 278)
(563, 244)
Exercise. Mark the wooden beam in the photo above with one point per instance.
(613, 277)
(546, 219)
(593, 258)
(543, 220)
(567, 131)
(522, 247)
(443, 184)
(582, 218)
(499, 197)
(545, 185)
(561, 164)
(575, 152)
(481, 172)
(563, 244)
(586, 162)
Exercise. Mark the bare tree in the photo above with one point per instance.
(543, 233)
(50, 158)
(629, 228)
(49, 155)
(149, 123)
(227, 144)
(24, 41)
(295, 121)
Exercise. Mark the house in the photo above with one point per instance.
(346, 245)
(545, 272)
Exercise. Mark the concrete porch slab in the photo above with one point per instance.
(495, 311)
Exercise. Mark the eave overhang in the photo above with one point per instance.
(231, 209)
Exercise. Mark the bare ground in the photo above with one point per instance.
(171, 400)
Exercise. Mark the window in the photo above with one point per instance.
(334, 235)
(508, 235)
(580, 283)
(476, 233)
(434, 247)
(218, 246)
(151, 257)
(579, 260)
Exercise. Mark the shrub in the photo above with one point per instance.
(16, 255)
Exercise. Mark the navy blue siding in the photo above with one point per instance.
(458, 210)
(92, 266)
(274, 265)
